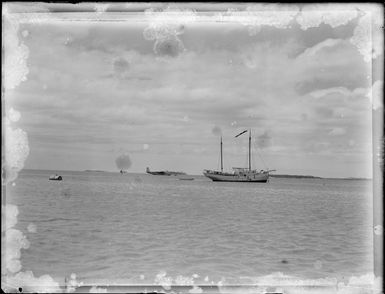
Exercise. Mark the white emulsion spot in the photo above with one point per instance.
(335, 15)
(318, 264)
(164, 28)
(32, 228)
(378, 230)
(196, 289)
(258, 15)
(185, 281)
(101, 7)
(351, 143)
(14, 115)
(362, 37)
(15, 65)
(31, 284)
(376, 95)
(95, 289)
(72, 283)
(16, 152)
(163, 280)
(14, 241)
(10, 212)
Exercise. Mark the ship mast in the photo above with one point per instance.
(221, 157)
(250, 150)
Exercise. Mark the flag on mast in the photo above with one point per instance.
(240, 133)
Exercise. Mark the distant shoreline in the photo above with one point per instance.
(313, 177)
(271, 175)
(294, 176)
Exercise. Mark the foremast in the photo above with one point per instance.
(221, 156)
(250, 150)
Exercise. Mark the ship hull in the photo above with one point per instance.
(164, 173)
(247, 177)
(161, 173)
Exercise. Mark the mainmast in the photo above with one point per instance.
(221, 157)
(250, 150)
(249, 145)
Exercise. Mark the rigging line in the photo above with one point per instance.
(246, 162)
(219, 162)
(260, 156)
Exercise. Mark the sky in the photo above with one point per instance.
(164, 93)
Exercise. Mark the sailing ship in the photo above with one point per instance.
(164, 172)
(55, 177)
(239, 174)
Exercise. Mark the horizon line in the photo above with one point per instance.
(131, 172)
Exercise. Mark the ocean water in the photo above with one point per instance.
(138, 228)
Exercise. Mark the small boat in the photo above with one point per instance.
(55, 177)
(164, 173)
(186, 178)
(239, 174)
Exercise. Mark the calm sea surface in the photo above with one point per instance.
(131, 227)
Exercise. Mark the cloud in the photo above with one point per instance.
(121, 66)
(328, 91)
(324, 111)
(165, 95)
(217, 131)
(299, 83)
(337, 132)
(317, 147)
(329, 64)
(328, 43)
(264, 140)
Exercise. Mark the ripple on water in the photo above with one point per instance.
(201, 227)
